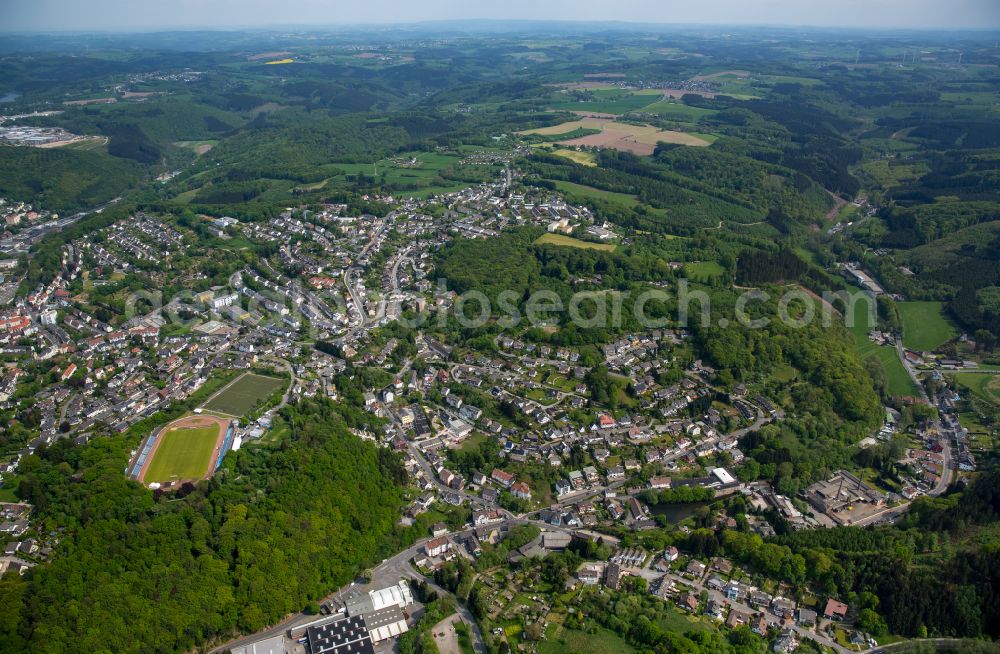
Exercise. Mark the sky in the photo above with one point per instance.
(146, 15)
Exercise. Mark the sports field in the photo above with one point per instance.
(242, 394)
(924, 327)
(185, 450)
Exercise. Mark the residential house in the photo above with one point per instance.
(437, 546)
(688, 601)
(835, 610)
(502, 477)
(695, 568)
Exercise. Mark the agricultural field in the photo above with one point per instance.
(673, 110)
(638, 139)
(185, 450)
(988, 100)
(924, 326)
(581, 157)
(243, 394)
(568, 127)
(789, 79)
(569, 241)
(734, 83)
(610, 101)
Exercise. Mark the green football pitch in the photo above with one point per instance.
(182, 454)
(243, 394)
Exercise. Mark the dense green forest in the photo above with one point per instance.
(64, 179)
(141, 572)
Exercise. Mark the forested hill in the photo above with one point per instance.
(276, 530)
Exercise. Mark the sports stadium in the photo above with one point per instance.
(188, 449)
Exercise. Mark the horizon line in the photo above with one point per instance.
(312, 27)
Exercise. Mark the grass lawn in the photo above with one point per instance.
(898, 381)
(279, 431)
(589, 192)
(703, 270)
(681, 622)
(243, 394)
(182, 454)
(473, 442)
(540, 395)
(924, 328)
(569, 241)
(985, 386)
(785, 374)
(572, 640)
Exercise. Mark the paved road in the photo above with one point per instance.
(909, 369)
(425, 465)
(291, 384)
(353, 290)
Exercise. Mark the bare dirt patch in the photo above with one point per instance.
(445, 637)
